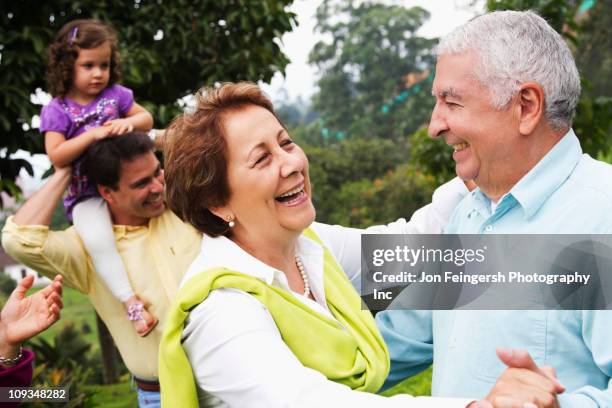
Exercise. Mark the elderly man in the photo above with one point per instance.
(506, 88)
(156, 246)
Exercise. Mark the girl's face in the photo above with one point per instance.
(91, 73)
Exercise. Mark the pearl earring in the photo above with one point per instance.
(230, 221)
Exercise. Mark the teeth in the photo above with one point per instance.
(460, 146)
(292, 192)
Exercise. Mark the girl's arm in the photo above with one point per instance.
(136, 118)
(62, 152)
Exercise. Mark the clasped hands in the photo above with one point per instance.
(522, 385)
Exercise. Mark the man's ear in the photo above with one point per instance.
(106, 193)
(532, 107)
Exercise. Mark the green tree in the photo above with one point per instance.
(365, 69)
(169, 49)
(354, 161)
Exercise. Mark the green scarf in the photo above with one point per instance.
(356, 357)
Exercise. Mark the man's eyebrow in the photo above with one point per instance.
(445, 92)
(145, 179)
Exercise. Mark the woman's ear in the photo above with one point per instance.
(222, 212)
(532, 107)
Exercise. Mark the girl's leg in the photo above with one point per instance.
(92, 221)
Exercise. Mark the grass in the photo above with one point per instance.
(418, 385)
(78, 311)
(112, 396)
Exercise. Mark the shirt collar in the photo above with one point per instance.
(552, 170)
(223, 252)
(540, 182)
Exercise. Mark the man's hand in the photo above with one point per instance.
(23, 317)
(522, 385)
(118, 127)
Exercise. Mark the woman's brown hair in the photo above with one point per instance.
(195, 154)
(64, 51)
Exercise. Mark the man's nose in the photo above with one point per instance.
(437, 123)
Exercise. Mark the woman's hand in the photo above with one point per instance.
(23, 317)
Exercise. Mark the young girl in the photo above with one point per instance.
(88, 105)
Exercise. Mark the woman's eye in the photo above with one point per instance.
(286, 142)
(261, 158)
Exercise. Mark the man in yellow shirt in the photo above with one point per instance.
(155, 246)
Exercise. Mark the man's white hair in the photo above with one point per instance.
(514, 47)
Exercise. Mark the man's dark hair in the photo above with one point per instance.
(102, 160)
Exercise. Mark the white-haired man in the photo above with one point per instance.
(506, 89)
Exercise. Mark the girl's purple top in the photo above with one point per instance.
(72, 119)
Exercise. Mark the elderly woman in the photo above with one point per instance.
(266, 316)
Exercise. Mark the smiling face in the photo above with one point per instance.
(268, 180)
(486, 141)
(91, 73)
(140, 191)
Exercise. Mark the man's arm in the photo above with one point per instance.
(596, 334)
(38, 210)
(26, 237)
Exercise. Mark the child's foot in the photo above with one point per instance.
(142, 320)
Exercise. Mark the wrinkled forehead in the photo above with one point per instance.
(457, 76)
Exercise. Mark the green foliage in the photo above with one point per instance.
(68, 347)
(331, 167)
(203, 42)
(398, 193)
(7, 284)
(63, 363)
(73, 377)
(431, 156)
(112, 396)
(374, 48)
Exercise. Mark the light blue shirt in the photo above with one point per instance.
(567, 192)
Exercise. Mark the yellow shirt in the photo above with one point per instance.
(156, 258)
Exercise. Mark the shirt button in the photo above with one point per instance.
(489, 228)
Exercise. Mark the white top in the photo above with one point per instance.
(235, 349)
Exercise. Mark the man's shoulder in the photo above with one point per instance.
(168, 220)
(594, 177)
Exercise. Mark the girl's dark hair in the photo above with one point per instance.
(64, 51)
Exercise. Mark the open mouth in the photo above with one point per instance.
(292, 195)
(457, 147)
(154, 201)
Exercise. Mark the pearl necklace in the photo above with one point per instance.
(300, 267)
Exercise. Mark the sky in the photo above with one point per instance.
(300, 78)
